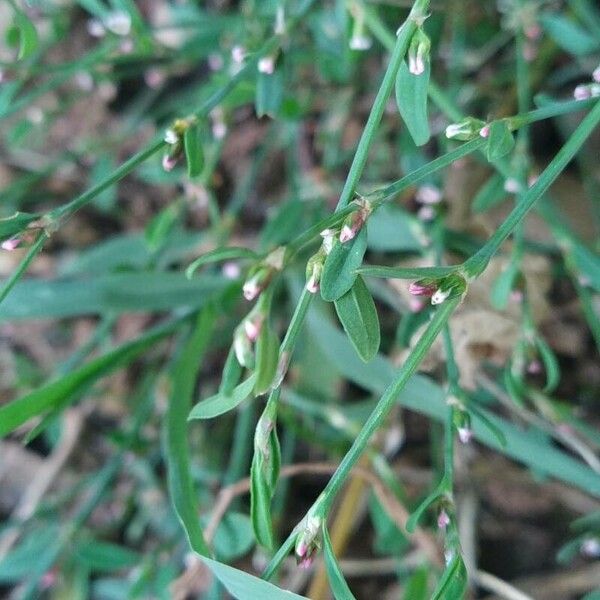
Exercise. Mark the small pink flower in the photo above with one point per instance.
(347, 233)
(421, 288)
(465, 434)
(484, 131)
(533, 32)
(443, 520)
(11, 244)
(534, 367)
(582, 92)
(428, 194)
(252, 328)
(426, 213)
(251, 289)
(169, 162)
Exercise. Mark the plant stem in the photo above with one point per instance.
(375, 420)
(478, 262)
(16, 275)
(405, 34)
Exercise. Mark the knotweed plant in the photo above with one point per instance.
(259, 301)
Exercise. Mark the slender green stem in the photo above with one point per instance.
(375, 420)
(477, 263)
(405, 33)
(31, 254)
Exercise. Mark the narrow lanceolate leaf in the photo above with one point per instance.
(11, 226)
(453, 584)
(405, 272)
(267, 358)
(67, 389)
(244, 586)
(338, 584)
(503, 285)
(269, 93)
(23, 34)
(339, 270)
(219, 255)
(264, 473)
(550, 364)
(569, 36)
(500, 141)
(194, 154)
(358, 315)
(232, 372)
(411, 96)
(489, 194)
(183, 379)
(223, 402)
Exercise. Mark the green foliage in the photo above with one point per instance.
(187, 281)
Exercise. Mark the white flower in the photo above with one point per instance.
(266, 65)
(439, 296)
(360, 42)
(171, 136)
(119, 22)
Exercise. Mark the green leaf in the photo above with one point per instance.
(339, 270)
(221, 403)
(68, 388)
(11, 226)
(160, 227)
(392, 230)
(453, 584)
(411, 96)
(416, 515)
(221, 254)
(567, 35)
(244, 586)
(417, 588)
(111, 293)
(267, 358)
(338, 584)
(97, 556)
(16, 564)
(500, 140)
(376, 375)
(503, 285)
(25, 35)
(550, 364)
(183, 380)
(193, 151)
(358, 315)
(264, 472)
(232, 372)
(492, 192)
(405, 272)
(234, 536)
(269, 93)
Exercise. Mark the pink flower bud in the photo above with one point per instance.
(426, 213)
(534, 367)
(252, 328)
(251, 289)
(238, 54)
(231, 270)
(465, 434)
(347, 234)
(533, 31)
(443, 520)
(307, 543)
(484, 131)
(11, 244)
(360, 42)
(582, 92)
(422, 288)
(512, 186)
(428, 194)
(169, 162)
(266, 65)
